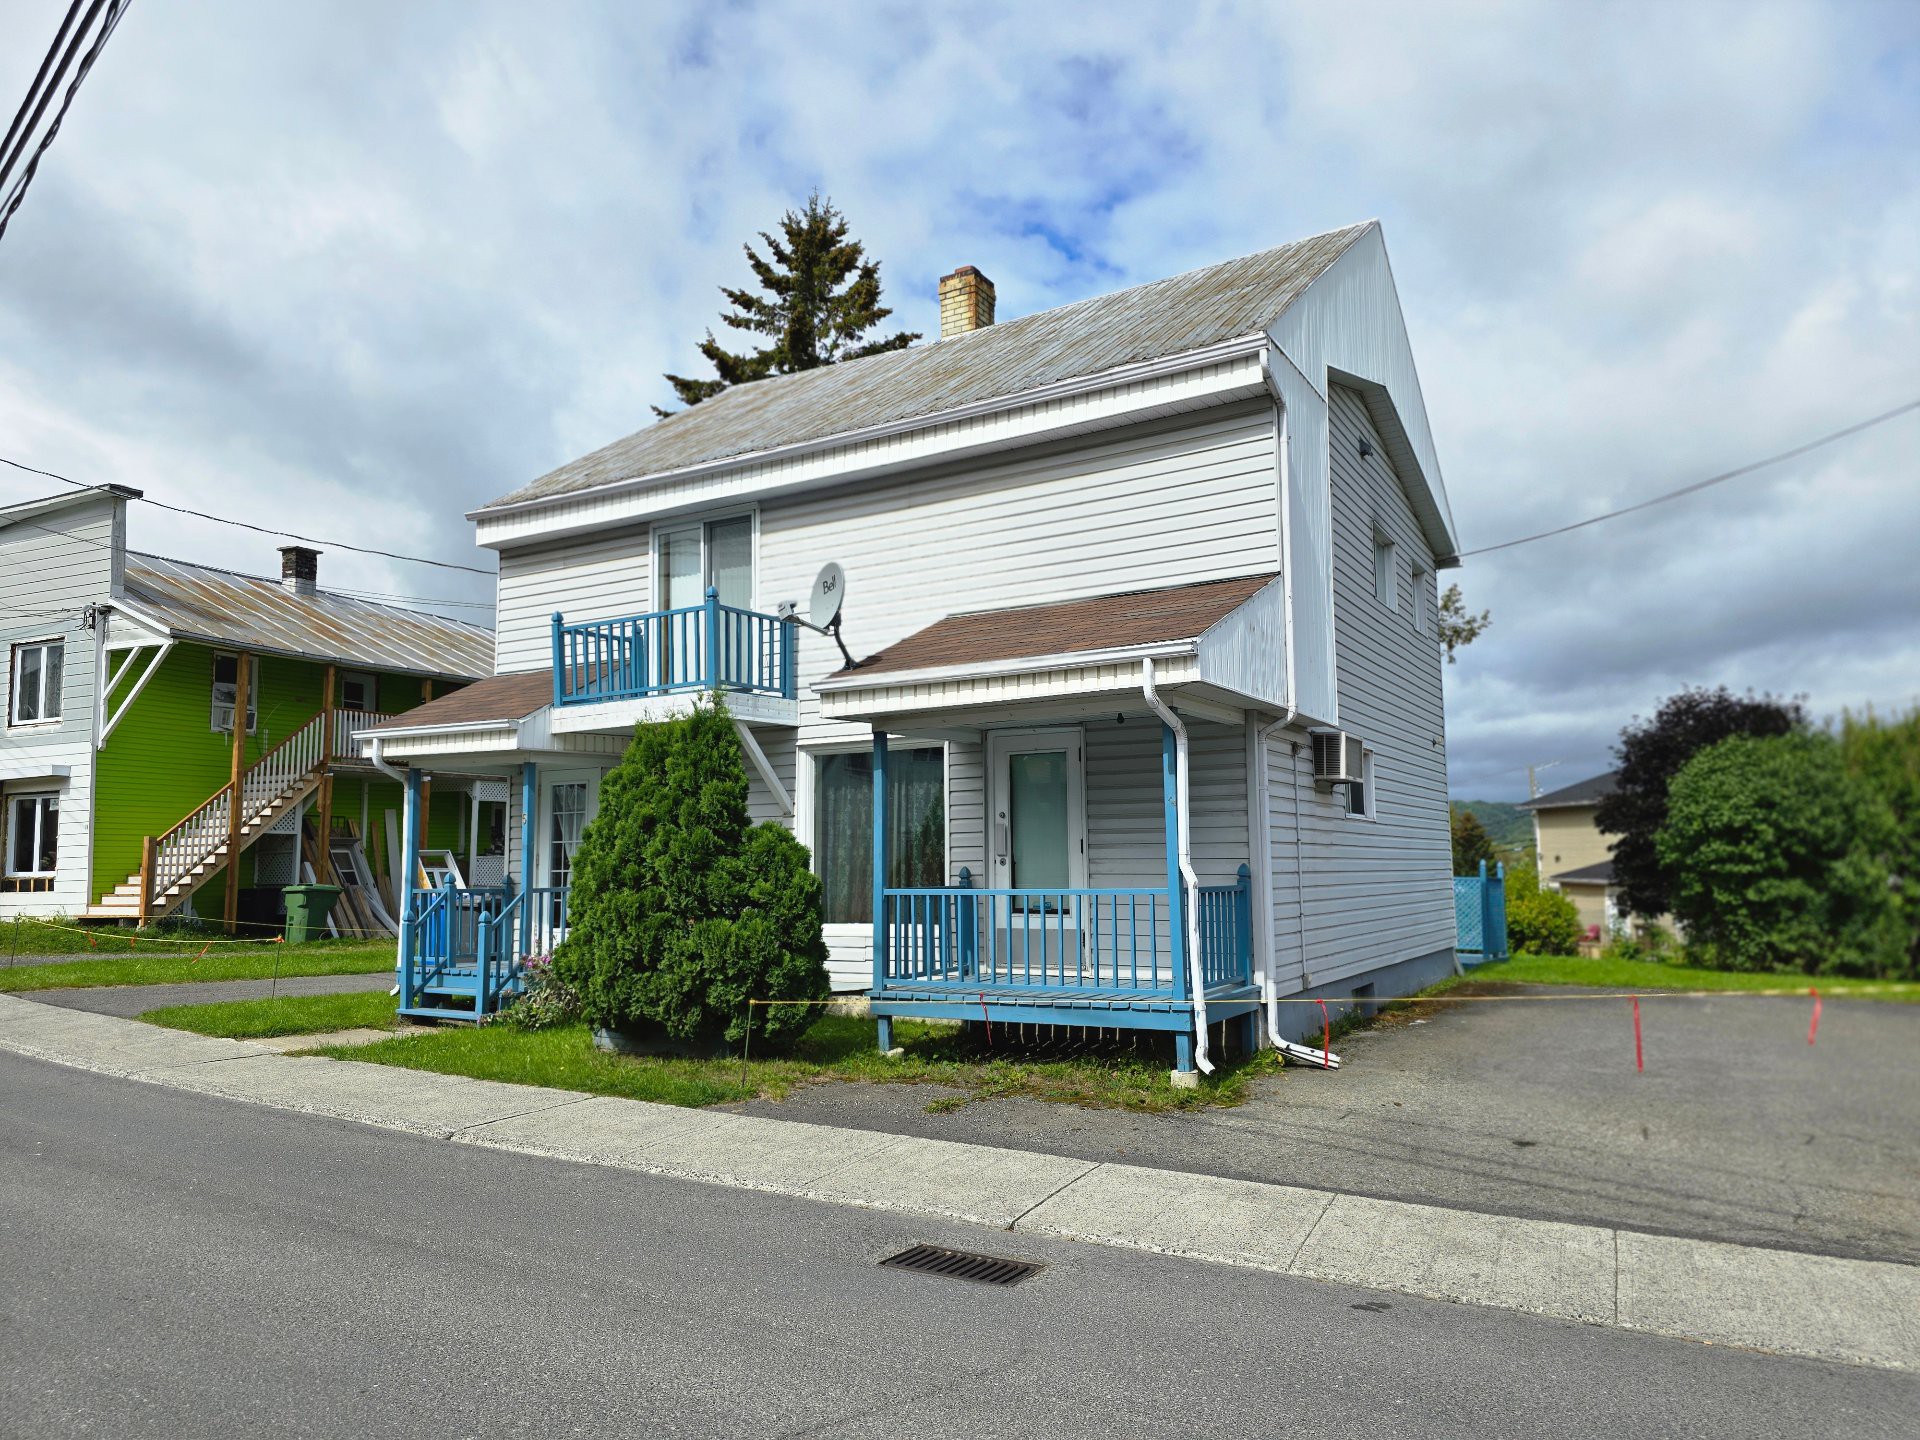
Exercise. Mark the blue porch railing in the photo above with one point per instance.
(1480, 915)
(1226, 932)
(465, 949)
(666, 652)
(1105, 942)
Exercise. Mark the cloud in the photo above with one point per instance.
(371, 266)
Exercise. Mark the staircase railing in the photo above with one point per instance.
(205, 830)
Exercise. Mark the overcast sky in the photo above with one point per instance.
(357, 268)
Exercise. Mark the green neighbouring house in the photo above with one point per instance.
(120, 757)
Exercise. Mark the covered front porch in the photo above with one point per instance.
(1102, 867)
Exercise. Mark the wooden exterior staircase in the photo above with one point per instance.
(176, 864)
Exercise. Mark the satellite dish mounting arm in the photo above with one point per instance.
(823, 609)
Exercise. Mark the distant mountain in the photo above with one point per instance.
(1510, 827)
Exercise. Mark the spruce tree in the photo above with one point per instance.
(821, 297)
(681, 909)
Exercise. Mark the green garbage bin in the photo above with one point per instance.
(307, 909)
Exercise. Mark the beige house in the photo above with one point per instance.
(1575, 855)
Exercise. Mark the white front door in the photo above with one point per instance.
(1037, 836)
(1036, 847)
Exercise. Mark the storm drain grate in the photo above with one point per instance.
(961, 1265)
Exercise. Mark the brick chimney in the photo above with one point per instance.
(966, 302)
(299, 569)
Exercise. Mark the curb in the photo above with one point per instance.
(1859, 1312)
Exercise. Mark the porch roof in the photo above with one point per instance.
(492, 701)
(1070, 627)
(1222, 642)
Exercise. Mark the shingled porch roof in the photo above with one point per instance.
(1123, 621)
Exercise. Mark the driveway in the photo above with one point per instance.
(1737, 1130)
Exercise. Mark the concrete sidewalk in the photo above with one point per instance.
(132, 1000)
(1858, 1311)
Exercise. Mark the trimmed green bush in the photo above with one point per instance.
(681, 910)
(1778, 855)
(1539, 922)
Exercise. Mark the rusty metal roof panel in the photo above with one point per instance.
(1089, 337)
(221, 607)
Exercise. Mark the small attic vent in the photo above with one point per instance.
(1337, 757)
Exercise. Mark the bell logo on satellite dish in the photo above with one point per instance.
(823, 609)
(829, 593)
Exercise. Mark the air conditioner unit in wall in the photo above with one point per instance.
(1337, 757)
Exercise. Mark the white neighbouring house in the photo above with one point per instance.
(1116, 572)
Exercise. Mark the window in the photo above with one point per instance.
(1386, 578)
(843, 827)
(36, 682)
(569, 814)
(226, 675)
(33, 830)
(719, 553)
(1422, 601)
(492, 829)
(1361, 799)
(358, 692)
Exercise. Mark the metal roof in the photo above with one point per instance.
(1582, 792)
(1089, 337)
(248, 612)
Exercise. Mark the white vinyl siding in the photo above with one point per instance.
(598, 578)
(1374, 893)
(52, 566)
(1164, 505)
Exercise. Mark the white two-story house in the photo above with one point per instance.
(1146, 722)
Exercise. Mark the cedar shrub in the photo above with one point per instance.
(681, 909)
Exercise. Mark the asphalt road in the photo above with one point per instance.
(1738, 1130)
(184, 1266)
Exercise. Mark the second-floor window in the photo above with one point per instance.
(226, 676)
(1386, 577)
(715, 552)
(358, 691)
(34, 695)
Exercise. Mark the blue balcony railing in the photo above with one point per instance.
(1115, 942)
(668, 652)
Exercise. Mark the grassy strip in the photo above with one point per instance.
(838, 1047)
(287, 1015)
(1606, 973)
(24, 935)
(182, 966)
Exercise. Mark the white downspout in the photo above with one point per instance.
(1196, 971)
(381, 765)
(1269, 983)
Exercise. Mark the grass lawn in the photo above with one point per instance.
(1610, 974)
(287, 1015)
(149, 964)
(838, 1047)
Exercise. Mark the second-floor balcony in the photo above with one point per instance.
(663, 653)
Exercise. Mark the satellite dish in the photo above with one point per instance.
(829, 593)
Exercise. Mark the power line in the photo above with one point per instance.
(264, 579)
(115, 10)
(261, 529)
(1699, 485)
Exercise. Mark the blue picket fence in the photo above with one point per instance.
(1480, 915)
